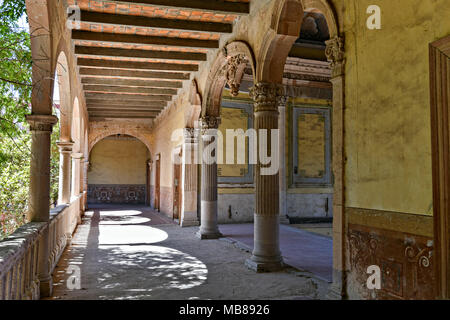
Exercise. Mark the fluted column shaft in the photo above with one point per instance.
(335, 55)
(189, 178)
(65, 150)
(266, 255)
(208, 219)
(282, 158)
(85, 181)
(39, 198)
(76, 173)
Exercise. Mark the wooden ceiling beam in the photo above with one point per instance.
(98, 103)
(148, 40)
(158, 23)
(128, 97)
(132, 83)
(133, 74)
(121, 89)
(137, 53)
(121, 64)
(218, 6)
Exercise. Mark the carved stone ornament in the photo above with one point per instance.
(65, 146)
(233, 64)
(42, 123)
(209, 122)
(190, 134)
(335, 54)
(266, 95)
(282, 101)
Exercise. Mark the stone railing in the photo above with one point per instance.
(19, 253)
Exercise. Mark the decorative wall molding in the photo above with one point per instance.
(117, 193)
(405, 260)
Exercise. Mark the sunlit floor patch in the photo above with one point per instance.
(165, 268)
(111, 220)
(116, 213)
(123, 234)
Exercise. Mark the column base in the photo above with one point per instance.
(45, 287)
(189, 223)
(208, 236)
(284, 220)
(189, 219)
(336, 290)
(260, 267)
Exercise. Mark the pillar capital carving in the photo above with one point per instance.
(41, 122)
(233, 79)
(191, 135)
(208, 123)
(335, 54)
(265, 95)
(77, 155)
(65, 146)
(282, 101)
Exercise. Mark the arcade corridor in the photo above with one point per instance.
(133, 252)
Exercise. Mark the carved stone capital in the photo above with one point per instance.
(233, 79)
(282, 101)
(77, 156)
(190, 135)
(42, 123)
(265, 95)
(65, 146)
(335, 54)
(209, 122)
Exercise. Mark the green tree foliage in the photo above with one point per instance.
(15, 103)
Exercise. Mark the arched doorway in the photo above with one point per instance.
(118, 171)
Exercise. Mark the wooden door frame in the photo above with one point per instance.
(440, 144)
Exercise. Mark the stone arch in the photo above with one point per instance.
(284, 29)
(65, 109)
(193, 110)
(227, 68)
(327, 10)
(93, 140)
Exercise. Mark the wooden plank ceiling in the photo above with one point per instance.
(133, 55)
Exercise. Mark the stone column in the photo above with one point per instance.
(76, 177)
(335, 54)
(39, 198)
(189, 178)
(148, 179)
(282, 158)
(266, 254)
(65, 150)
(208, 219)
(85, 182)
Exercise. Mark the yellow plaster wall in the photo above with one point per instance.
(316, 156)
(165, 146)
(387, 104)
(233, 118)
(118, 162)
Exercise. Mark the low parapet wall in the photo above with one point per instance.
(22, 251)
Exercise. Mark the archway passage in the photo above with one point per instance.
(118, 171)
